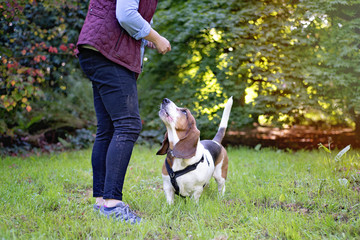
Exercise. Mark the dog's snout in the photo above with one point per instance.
(166, 101)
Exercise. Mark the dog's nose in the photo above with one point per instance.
(166, 101)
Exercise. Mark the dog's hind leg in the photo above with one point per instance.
(221, 184)
(220, 181)
(220, 174)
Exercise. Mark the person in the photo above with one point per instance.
(110, 49)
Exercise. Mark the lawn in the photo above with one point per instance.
(270, 194)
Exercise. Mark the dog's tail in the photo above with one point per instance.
(224, 121)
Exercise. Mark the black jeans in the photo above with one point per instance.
(118, 122)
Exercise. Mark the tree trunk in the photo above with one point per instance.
(356, 118)
(357, 125)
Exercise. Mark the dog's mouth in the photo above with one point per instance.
(164, 112)
(164, 115)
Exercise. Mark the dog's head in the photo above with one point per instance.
(182, 135)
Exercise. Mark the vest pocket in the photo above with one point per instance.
(125, 48)
(118, 42)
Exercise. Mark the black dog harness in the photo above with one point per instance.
(173, 175)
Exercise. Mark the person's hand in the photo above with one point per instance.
(162, 45)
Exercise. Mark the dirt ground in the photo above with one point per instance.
(296, 138)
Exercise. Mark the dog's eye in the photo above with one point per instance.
(184, 111)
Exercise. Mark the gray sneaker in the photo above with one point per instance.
(96, 207)
(121, 212)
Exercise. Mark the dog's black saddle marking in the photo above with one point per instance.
(173, 175)
(212, 147)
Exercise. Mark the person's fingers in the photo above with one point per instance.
(163, 46)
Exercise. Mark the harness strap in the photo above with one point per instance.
(173, 175)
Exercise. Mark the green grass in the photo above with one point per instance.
(270, 194)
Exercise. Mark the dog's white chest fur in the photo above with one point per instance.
(196, 180)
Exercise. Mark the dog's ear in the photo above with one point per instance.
(186, 147)
(164, 146)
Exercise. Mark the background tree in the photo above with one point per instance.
(334, 67)
(39, 73)
(264, 53)
(285, 63)
(251, 50)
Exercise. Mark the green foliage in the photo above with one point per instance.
(334, 71)
(280, 60)
(36, 51)
(283, 62)
(270, 194)
(41, 85)
(83, 138)
(187, 75)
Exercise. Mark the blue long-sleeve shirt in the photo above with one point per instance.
(130, 19)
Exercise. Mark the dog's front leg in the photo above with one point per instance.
(197, 193)
(169, 194)
(168, 190)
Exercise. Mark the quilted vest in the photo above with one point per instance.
(102, 30)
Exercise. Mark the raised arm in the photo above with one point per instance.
(130, 19)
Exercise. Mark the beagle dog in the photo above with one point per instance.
(189, 162)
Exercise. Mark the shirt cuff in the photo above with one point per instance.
(144, 31)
